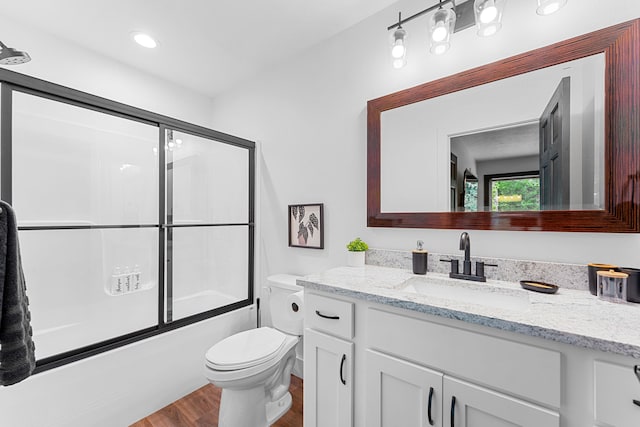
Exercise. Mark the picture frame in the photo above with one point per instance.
(306, 226)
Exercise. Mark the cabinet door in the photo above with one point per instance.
(616, 392)
(400, 393)
(473, 406)
(328, 381)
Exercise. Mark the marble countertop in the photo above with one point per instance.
(570, 316)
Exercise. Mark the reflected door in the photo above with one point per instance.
(554, 150)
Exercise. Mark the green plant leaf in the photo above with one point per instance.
(357, 245)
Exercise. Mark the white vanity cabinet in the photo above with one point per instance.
(401, 393)
(403, 367)
(328, 368)
(469, 405)
(527, 377)
(617, 395)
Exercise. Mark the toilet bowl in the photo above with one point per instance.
(253, 367)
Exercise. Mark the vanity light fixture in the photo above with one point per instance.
(451, 16)
(399, 45)
(441, 25)
(547, 7)
(488, 16)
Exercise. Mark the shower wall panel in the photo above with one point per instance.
(69, 279)
(72, 165)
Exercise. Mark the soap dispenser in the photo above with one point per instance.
(420, 257)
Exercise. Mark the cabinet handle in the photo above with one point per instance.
(342, 380)
(324, 316)
(429, 407)
(636, 402)
(453, 410)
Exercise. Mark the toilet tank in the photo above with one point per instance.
(281, 286)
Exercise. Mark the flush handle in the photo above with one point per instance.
(342, 380)
(326, 316)
(636, 402)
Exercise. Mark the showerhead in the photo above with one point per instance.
(10, 56)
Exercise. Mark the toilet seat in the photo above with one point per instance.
(246, 349)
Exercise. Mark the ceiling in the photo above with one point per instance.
(206, 45)
(506, 143)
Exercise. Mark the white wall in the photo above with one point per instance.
(60, 62)
(310, 116)
(118, 387)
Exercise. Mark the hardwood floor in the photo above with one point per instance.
(200, 409)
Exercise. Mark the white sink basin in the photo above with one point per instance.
(481, 294)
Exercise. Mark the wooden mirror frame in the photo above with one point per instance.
(621, 214)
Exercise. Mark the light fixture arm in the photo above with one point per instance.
(423, 12)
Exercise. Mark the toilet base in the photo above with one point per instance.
(234, 404)
(277, 409)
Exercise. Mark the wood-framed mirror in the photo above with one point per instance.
(617, 210)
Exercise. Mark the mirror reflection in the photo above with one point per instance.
(527, 143)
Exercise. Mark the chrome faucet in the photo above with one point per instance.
(465, 245)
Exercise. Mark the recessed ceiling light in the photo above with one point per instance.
(145, 40)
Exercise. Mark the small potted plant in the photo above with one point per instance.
(355, 256)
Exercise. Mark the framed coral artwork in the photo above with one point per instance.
(306, 226)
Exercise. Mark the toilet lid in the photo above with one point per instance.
(246, 349)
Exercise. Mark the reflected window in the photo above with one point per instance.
(517, 192)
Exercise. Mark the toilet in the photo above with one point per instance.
(254, 367)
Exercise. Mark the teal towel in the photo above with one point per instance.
(17, 351)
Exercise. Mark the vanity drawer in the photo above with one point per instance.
(519, 369)
(329, 315)
(616, 387)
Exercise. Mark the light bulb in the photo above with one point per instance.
(440, 49)
(398, 50)
(490, 30)
(489, 12)
(441, 26)
(488, 16)
(440, 32)
(547, 7)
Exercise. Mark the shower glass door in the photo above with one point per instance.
(85, 192)
(208, 227)
(131, 224)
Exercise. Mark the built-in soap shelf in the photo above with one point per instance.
(125, 282)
